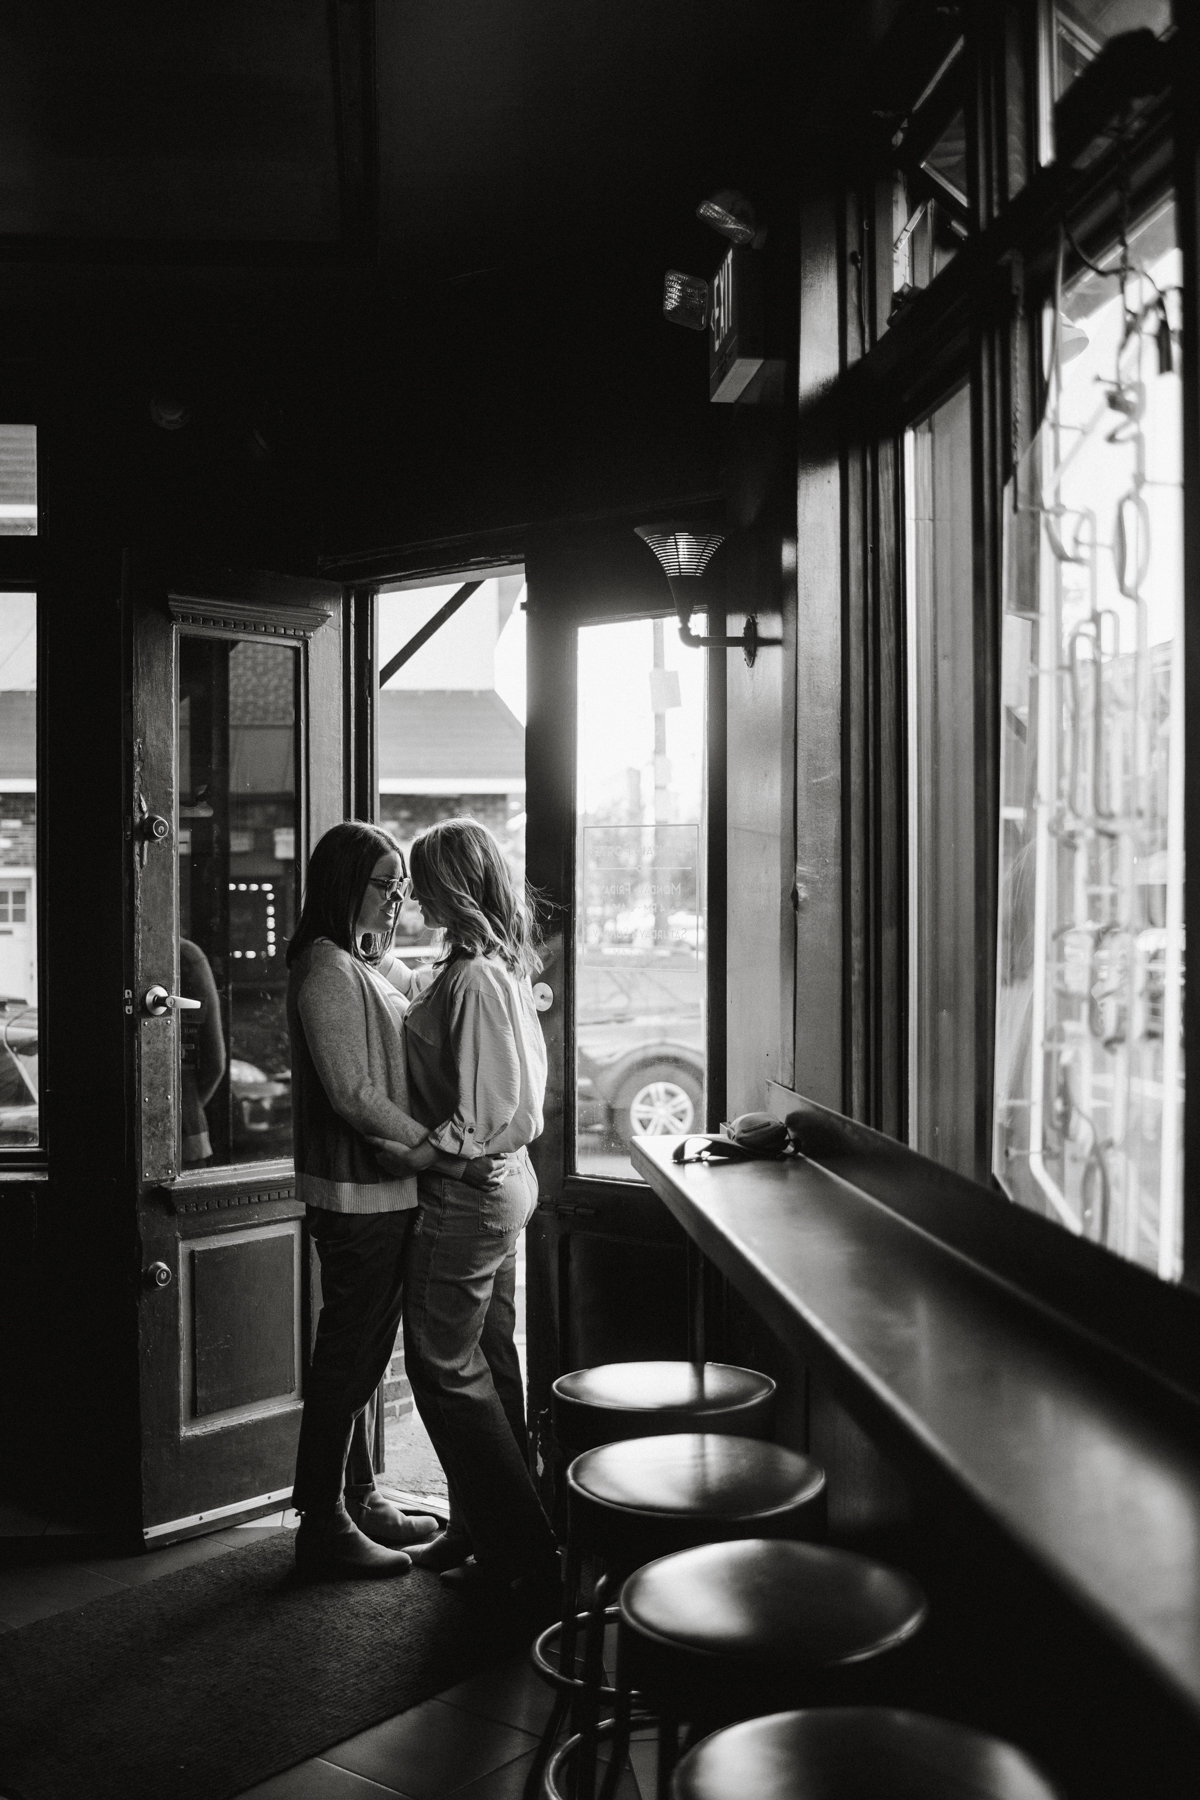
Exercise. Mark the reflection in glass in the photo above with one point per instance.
(639, 892)
(941, 787)
(19, 1111)
(237, 833)
(1089, 1051)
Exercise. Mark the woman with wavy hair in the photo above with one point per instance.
(477, 1079)
(346, 999)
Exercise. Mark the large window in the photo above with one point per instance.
(20, 1126)
(639, 891)
(1089, 1051)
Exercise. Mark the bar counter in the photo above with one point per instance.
(1088, 1466)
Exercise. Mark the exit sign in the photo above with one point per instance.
(735, 326)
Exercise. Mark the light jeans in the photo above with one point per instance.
(459, 1354)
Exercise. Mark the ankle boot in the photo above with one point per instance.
(334, 1549)
(448, 1550)
(386, 1523)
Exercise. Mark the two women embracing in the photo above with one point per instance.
(414, 1097)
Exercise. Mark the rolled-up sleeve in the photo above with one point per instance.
(485, 1054)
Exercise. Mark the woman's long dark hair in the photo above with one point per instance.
(338, 872)
(458, 864)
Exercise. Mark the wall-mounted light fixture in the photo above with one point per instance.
(731, 214)
(684, 553)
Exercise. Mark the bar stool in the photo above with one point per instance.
(642, 1498)
(725, 1631)
(856, 1753)
(648, 1399)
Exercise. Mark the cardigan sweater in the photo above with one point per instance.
(348, 1080)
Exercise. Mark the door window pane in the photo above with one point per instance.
(941, 787)
(640, 899)
(19, 1114)
(237, 834)
(1089, 1051)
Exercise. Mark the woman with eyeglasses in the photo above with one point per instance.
(347, 996)
(477, 1079)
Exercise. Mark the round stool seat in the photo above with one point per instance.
(738, 1627)
(856, 1753)
(643, 1497)
(646, 1399)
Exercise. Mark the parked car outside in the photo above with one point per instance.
(639, 1048)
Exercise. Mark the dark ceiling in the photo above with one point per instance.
(446, 136)
(417, 245)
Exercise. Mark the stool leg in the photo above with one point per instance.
(587, 1706)
(537, 1768)
(621, 1732)
(571, 1579)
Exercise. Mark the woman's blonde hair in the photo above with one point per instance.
(459, 866)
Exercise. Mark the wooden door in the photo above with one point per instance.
(617, 848)
(235, 769)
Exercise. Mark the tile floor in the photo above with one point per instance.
(475, 1741)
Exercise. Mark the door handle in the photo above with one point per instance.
(158, 1275)
(543, 996)
(158, 1002)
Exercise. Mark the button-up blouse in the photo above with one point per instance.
(476, 1059)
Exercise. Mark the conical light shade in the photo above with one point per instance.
(680, 549)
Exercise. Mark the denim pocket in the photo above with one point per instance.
(511, 1207)
(454, 1209)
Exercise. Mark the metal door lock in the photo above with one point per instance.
(158, 1275)
(543, 996)
(157, 1002)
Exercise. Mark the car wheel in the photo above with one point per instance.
(658, 1099)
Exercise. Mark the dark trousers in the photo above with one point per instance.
(361, 1256)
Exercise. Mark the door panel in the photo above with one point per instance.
(237, 760)
(240, 1324)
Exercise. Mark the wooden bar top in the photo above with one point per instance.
(1086, 1464)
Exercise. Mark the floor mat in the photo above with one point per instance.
(199, 1684)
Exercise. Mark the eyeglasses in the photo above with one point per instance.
(392, 890)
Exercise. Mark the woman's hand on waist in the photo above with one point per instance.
(485, 1173)
(404, 1159)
